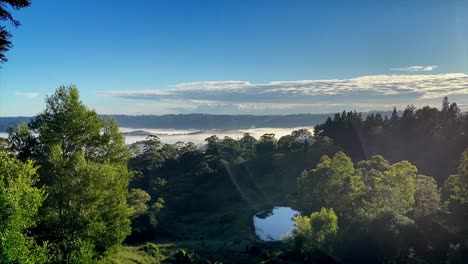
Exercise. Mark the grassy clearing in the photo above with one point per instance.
(143, 254)
(211, 251)
(131, 255)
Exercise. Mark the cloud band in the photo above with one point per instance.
(362, 89)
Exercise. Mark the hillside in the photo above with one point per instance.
(204, 121)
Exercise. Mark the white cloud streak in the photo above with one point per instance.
(28, 95)
(367, 88)
(415, 68)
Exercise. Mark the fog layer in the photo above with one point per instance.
(171, 136)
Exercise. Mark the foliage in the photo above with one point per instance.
(456, 187)
(266, 146)
(333, 184)
(4, 144)
(378, 204)
(456, 195)
(362, 190)
(89, 208)
(429, 138)
(314, 233)
(22, 141)
(385, 237)
(247, 144)
(386, 186)
(5, 43)
(83, 169)
(19, 203)
(138, 200)
(426, 196)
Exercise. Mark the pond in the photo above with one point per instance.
(272, 225)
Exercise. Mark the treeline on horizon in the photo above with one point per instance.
(203, 121)
(72, 192)
(430, 138)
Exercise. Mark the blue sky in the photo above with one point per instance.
(247, 57)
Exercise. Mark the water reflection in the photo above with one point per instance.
(272, 225)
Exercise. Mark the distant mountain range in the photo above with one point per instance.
(14, 121)
(204, 121)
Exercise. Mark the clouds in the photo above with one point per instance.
(415, 68)
(375, 88)
(365, 93)
(28, 95)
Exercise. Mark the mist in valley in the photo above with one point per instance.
(171, 136)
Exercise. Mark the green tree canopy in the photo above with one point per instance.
(247, 143)
(426, 197)
(332, 184)
(286, 143)
(83, 163)
(19, 204)
(456, 197)
(314, 233)
(266, 146)
(387, 186)
(364, 189)
(456, 188)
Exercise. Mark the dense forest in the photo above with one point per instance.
(431, 139)
(380, 190)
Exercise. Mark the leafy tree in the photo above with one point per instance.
(4, 144)
(147, 164)
(247, 143)
(68, 123)
(303, 138)
(456, 195)
(374, 200)
(138, 200)
(456, 188)
(188, 147)
(387, 186)
(286, 143)
(85, 209)
(5, 15)
(84, 171)
(212, 145)
(145, 215)
(345, 130)
(267, 145)
(401, 178)
(314, 233)
(385, 237)
(230, 149)
(19, 204)
(395, 116)
(426, 197)
(333, 184)
(149, 168)
(302, 134)
(300, 139)
(23, 142)
(324, 227)
(441, 133)
(324, 141)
